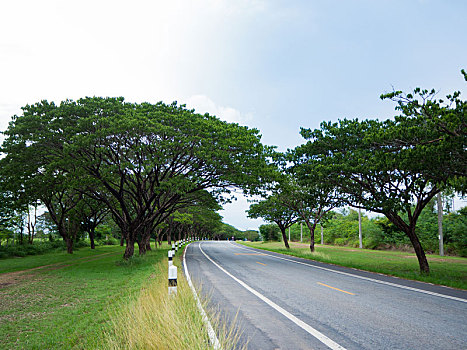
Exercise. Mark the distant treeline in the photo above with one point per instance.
(379, 233)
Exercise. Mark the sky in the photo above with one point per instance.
(271, 65)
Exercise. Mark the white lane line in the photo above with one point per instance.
(364, 278)
(318, 335)
(212, 335)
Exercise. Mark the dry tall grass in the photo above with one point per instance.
(155, 320)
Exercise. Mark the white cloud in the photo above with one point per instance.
(203, 104)
(235, 214)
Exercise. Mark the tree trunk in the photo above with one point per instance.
(141, 247)
(169, 237)
(69, 245)
(130, 249)
(122, 240)
(30, 227)
(312, 239)
(147, 241)
(91, 238)
(284, 237)
(312, 232)
(417, 246)
(409, 230)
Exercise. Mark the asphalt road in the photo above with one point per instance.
(281, 302)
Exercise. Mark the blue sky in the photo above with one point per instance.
(272, 65)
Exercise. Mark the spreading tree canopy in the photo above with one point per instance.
(143, 161)
(393, 167)
(272, 209)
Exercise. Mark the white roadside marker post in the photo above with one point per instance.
(172, 279)
(176, 246)
(170, 258)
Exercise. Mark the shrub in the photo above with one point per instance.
(82, 244)
(270, 232)
(371, 243)
(22, 250)
(109, 241)
(340, 241)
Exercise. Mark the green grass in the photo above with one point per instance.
(54, 257)
(448, 271)
(68, 305)
(95, 300)
(157, 321)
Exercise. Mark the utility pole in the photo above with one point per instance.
(440, 225)
(322, 240)
(301, 232)
(360, 228)
(289, 233)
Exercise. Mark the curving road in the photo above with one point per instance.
(282, 302)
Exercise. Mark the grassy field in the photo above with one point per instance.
(448, 271)
(61, 301)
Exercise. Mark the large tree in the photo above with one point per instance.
(397, 166)
(432, 133)
(368, 175)
(306, 193)
(33, 167)
(272, 209)
(143, 161)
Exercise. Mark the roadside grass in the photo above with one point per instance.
(155, 320)
(444, 270)
(96, 300)
(67, 306)
(54, 257)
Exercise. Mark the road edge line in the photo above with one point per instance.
(306, 327)
(357, 276)
(211, 333)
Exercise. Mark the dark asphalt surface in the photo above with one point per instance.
(354, 309)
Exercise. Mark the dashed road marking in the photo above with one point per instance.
(364, 278)
(249, 254)
(340, 290)
(306, 327)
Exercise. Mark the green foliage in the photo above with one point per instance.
(22, 250)
(251, 235)
(108, 241)
(269, 232)
(393, 167)
(102, 231)
(431, 133)
(227, 231)
(455, 232)
(142, 162)
(272, 209)
(81, 244)
(380, 233)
